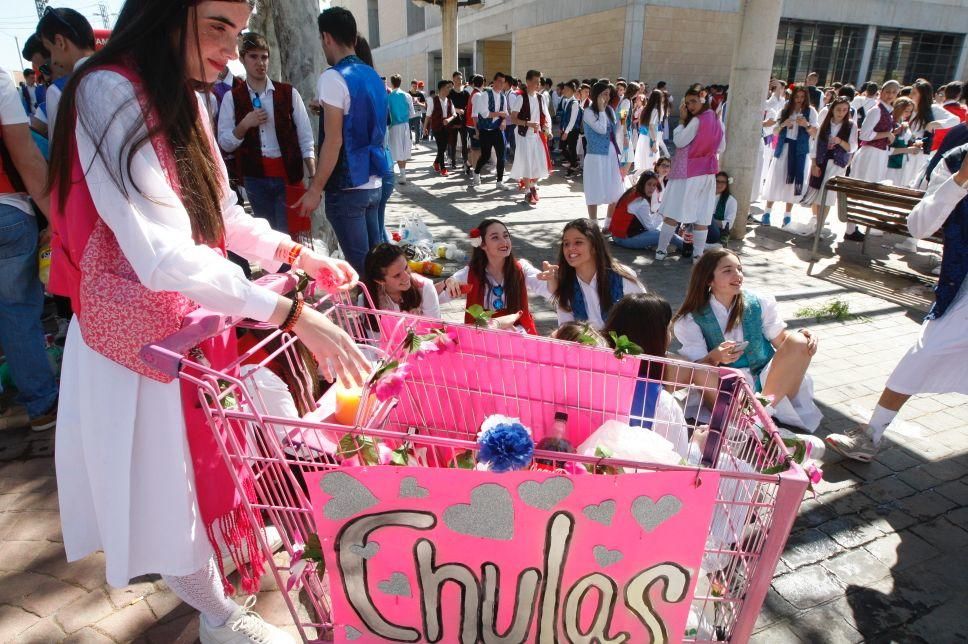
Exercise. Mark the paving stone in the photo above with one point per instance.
(167, 606)
(926, 505)
(88, 636)
(901, 550)
(849, 501)
(887, 517)
(951, 619)
(943, 534)
(135, 592)
(43, 632)
(807, 587)
(775, 609)
(957, 491)
(48, 595)
(777, 634)
(182, 630)
(826, 625)
(947, 470)
(128, 623)
(919, 478)
(87, 572)
(856, 567)
(835, 477)
(85, 610)
(813, 512)
(898, 459)
(808, 546)
(22, 555)
(888, 489)
(14, 621)
(38, 525)
(877, 607)
(850, 532)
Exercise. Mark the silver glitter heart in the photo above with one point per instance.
(397, 585)
(651, 514)
(605, 557)
(367, 551)
(545, 495)
(490, 514)
(601, 513)
(410, 490)
(350, 497)
(352, 633)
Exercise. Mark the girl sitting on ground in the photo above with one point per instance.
(394, 288)
(725, 213)
(580, 333)
(495, 280)
(636, 220)
(720, 323)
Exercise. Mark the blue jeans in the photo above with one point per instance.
(355, 217)
(268, 198)
(389, 181)
(648, 239)
(21, 305)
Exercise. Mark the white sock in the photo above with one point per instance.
(850, 228)
(699, 242)
(665, 236)
(880, 419)
(202, 590)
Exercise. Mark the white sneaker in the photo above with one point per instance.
(475, 179)
(660, 255)
(503, 186)
(243, 627)
(856, 444)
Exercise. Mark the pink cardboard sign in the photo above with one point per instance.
(447, 555)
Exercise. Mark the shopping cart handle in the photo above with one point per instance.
(200, 325)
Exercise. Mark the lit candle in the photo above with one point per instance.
(347, 403)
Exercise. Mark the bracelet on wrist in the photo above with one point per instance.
(295, 311)
(294, 253)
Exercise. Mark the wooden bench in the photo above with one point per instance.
(872, 205)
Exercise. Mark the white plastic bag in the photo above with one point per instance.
(413, 230)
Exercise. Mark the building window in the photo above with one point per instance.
(416, 21)
(373, 20)
(906, 55)
(830, 49)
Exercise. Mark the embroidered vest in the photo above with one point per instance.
(478, 295)
(525, 112)
(616, 289)
(437, 119)
(885, 123)
(596, 143)
(399, 107)
(364, 128)
(758, 353)
(698, 158)
(625, 224)
(249, 154)
(954, 256)
(492, 103)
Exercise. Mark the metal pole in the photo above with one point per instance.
(19, 51)
(748, 80)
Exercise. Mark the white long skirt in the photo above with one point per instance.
(869, 164)
(644, 157)
(690, 201)
(530, 160)
(399, 141)
(907, 174)
(777, 188)
(938, 362)
(124, 472)
(601, 178)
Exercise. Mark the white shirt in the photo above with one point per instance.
(566, 128)
(942, 195)
(594, 305)
(429, 300)
(154, 231)
(871, 118)
(729, 216)
(53, 101)
(12, 113)
(444, 107)
(332, 90)
(516, 102)
(694, 344)
(852, 139)
(792, 132)
(267, 130)
(647, 212)
(938, 113)
(482, 103)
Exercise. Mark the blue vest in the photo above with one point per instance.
(490, 124)
(598, 143)
(954, 256)
(399, 107)
(567, 110)
(364, 128)
(579, 308)
(758, 353)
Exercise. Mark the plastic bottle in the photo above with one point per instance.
(451, 252)
(433, 269)
(559, 429)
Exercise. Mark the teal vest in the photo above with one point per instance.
(758, 353)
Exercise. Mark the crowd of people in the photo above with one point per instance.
(138, 154)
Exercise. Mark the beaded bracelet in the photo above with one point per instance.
(294, 312)
(294, 253)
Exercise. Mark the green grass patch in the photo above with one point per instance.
(838, 310)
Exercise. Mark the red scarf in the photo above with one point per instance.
(478, 294)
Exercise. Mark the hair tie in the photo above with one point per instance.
(476, 239)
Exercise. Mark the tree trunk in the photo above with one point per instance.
(296, 58)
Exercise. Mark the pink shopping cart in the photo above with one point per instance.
(409, 539)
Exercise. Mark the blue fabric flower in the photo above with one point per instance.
(505, 446)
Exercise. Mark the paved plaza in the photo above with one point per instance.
(877, 556)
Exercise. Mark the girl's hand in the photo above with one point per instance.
(890, 137)
(683, 112)
(931, 127)
(724, 354)
(836, 140)
(453, 287)
(332, 274)
(505, 322)
(338, 355)
(812, 341)
(549, 274)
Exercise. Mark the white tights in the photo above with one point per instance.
(202, 590)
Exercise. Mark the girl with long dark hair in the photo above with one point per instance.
(636, 220)
(602, 171)
(626, 130)
(720, 323)
(394, 287)
(495, 280)
(142, 214)
(787, 177)
(689, 198)
(587, 280)
(836, 142)
(647, 146)
(927, 118)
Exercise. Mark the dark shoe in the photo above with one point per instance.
(686, 250)
(45, 422)
(856, 236)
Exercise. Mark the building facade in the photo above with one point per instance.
(679, 41)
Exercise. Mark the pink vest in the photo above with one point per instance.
(116, 313)
(700, 156)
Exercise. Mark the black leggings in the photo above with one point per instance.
(491, 140)
(442, 137)
(570, 148)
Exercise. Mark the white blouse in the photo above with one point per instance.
(792, 132)
(689, 334)
(154, 231)
(429, 300)
(531, 281)
(593, 304)
(851, 139)
(647, 212)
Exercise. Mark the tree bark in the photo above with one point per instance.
(296, 58)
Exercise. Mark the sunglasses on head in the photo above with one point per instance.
(51, 11)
